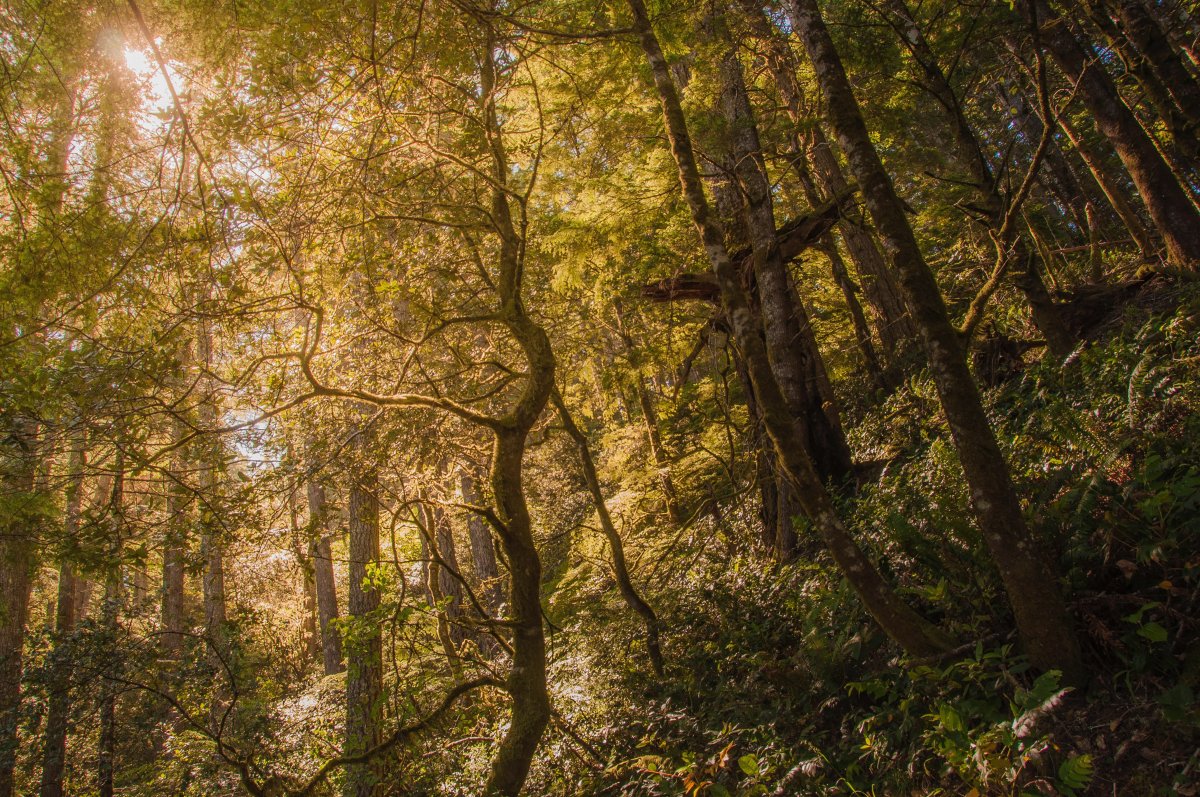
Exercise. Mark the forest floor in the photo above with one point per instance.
(778, 685)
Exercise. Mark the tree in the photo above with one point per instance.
(1032, 588)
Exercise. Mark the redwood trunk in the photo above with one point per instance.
(1170, 209)
(1030, 581)
(16, 574)
(791, 345)
(364, 655)
(913, 632)
(59, 710)
(326, 587)
(483, 549)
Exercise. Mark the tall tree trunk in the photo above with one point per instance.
(1113, 192)
(310, 637)
(791, 345)
(445, 592)
(59, 710)
(893, 327)
(107, 743)
(483, 550)
(20, 463)
(211, 456)
(364, 653)
(16, 576)
(110, 613)
(174, 547)
(1152, 43)
(1170, 209)
(326, 587)
(914, 633)
(778, 504)
(1030, 581)
(629, 593)
(1154, 91)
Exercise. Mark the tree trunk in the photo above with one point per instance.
(777, 497)
(326, 587)
(1170, 208)
(893, 327)
(210, 457)
(107, 744)
(364, 649)
(526, 683)
(1152, 43)
(16, 576)
(1113, 192)
(629, 592)
(1030, 581)
(310, 637)
(445, 590)
(483, 549)
(791, 345)
(1154, 92)
(110, 613)
(174, 546)
(914, 633)
(59, 710)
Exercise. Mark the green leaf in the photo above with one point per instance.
(1076, 772)
(749, 765)
(1154, 632)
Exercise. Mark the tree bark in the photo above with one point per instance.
(364, 650)
(323, 578)
(174, 546)
(444, 590)
(483, 549)
(114, 487)
(310, 636)
(59, 710)
(16, 576)
(1030, 581)
(526, 683)
(1170, 209)
(210, 458)
(911, 631)
(791, 345)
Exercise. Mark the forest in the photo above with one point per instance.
(600, 397)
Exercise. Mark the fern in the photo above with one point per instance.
(1076, 773)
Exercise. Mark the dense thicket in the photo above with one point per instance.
(599, 397)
